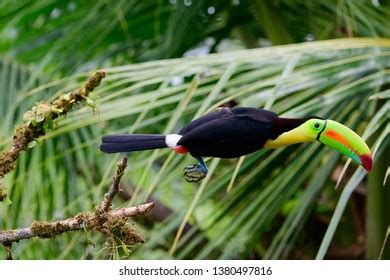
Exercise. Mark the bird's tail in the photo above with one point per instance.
(117, 143)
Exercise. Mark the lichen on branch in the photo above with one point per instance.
(111, 223)
(39, 118)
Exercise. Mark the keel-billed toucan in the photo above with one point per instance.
(230, 133)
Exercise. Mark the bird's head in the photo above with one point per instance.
(342, 139)
(330, 133)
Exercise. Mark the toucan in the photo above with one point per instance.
(238, 131)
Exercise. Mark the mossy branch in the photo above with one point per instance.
(39, 118)
(108, 197)
(104, 222)
(111, 223)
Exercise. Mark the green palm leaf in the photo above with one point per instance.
(66, 173)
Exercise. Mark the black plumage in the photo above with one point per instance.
(232, 133)
(229, 134)
(118, 143)
(226, 133)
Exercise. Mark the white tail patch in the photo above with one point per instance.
(172, 139)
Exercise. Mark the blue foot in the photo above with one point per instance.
(196, 172)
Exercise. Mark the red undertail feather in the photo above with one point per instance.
(180, 149)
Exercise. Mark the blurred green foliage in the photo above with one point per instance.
(281, 204)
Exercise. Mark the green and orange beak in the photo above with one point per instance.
(347, 142)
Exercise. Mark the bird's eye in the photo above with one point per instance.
(316, 125)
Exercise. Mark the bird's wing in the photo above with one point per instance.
(228, 137)
(260, 115)
(222, 113)
(227, 129)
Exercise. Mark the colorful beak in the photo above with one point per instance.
(347, 142)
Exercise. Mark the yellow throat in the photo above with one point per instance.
(297, 135)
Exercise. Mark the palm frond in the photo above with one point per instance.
(66, 173)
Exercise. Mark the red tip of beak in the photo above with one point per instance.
(366, 162)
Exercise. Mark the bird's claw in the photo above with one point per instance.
(194, 173)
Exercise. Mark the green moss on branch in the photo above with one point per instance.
(38, 119)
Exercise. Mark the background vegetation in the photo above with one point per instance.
(271, 204)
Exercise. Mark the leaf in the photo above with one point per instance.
(31, 144)
(68, 173)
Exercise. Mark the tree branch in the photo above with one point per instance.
(40, 117)
(85, 220)
(108, 197)
(104, 220)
